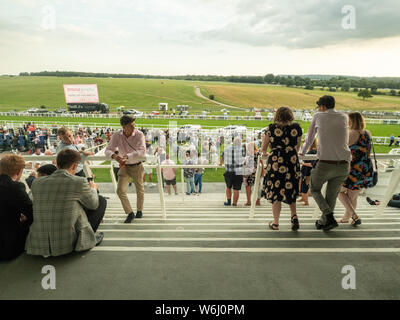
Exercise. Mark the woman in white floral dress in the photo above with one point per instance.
(281, 182)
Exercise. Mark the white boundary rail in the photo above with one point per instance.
(176, 117)
(93, 125)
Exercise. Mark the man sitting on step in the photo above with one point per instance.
(66, 210)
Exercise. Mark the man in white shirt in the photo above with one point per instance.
(334, 158)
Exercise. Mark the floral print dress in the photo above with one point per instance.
(361, 169)
(281, 182)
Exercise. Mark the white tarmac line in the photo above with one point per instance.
(247, 250)
(228, 224)
(243, 231)
(231, 219)
(253, 239)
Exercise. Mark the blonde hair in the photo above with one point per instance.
(283, 116)
(11, 164)
(357, 121)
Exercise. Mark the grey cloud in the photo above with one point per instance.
(307, 23)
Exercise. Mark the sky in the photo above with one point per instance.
(220, 37)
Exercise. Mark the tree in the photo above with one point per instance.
(211, 97)
(346, 86)
(269, 78)
(309, 87)
(365, 94)
(290, 82)
(393, 92)
(355, 90)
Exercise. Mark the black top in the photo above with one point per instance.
(13, 201)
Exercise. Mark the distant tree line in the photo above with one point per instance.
(239, 79)
(332, 84)
(337, 83)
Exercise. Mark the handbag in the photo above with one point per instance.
(375, 172)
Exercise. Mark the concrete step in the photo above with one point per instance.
(203, 224)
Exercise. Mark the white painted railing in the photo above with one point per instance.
(174, 117)
(394, 179)
(93, 125)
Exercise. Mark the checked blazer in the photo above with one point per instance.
(60, 224)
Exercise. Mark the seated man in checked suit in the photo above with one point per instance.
(67, 210)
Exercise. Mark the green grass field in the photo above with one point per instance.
(263, 96)
(21, 93)
(378, 130)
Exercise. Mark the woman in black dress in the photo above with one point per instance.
(281, 183)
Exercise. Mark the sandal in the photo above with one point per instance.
(343, 221)
(356, 221)
(295, 223)
(247, 204)
(273, 226)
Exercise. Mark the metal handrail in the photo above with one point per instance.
(394, 179)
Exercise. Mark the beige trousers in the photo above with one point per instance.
(124, 176)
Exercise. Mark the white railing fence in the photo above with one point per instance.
(175, 117)
(93, 125)
(394, 179)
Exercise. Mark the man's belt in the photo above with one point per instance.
(134, 164)
(334, 162)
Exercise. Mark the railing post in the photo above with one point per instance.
(161, 190)
(255, 188)
(183, 185)
(86, 169)
(113, 179)
(394, 182)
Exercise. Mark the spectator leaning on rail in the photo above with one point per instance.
(16, 208)
(234, 157)
(333, 155)
(67, 142)
(169, 174)
(361, 169)
(67, 210)
(189, 174)
(132, 153)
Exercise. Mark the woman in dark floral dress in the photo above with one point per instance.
(361, 169)
(281, 182)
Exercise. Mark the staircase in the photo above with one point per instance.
(203, 224)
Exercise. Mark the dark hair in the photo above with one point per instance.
(67, 157)
(188, 152)
(47, 169)
(283, 116)
(126, 120)
(326, 101)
